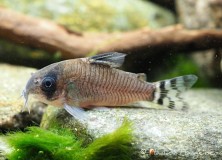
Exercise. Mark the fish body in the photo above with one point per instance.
(99, 85)
(96, 81)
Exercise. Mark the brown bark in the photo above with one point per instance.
(52, 37)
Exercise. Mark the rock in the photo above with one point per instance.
(171, 134)
(13, 81)
(201, 14)
(126, 16)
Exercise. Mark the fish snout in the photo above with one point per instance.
(32, 85)
(29, 88)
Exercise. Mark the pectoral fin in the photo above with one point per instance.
(110, 59)
(76, 112)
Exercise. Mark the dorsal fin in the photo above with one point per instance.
(111, 59)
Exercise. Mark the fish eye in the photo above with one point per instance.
(48, 84)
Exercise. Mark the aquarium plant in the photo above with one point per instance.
(60, 143)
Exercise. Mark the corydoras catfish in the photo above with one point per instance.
(95, 81)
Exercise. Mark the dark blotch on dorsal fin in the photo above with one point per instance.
(111, 59)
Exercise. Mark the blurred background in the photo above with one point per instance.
(162, 38)
(117, 16)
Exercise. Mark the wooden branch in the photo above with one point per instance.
(52, 37)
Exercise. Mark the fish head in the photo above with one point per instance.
(46, 85)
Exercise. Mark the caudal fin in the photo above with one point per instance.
(167, 92)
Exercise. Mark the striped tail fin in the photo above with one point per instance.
(167, 92)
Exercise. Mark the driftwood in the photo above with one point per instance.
(52, 37)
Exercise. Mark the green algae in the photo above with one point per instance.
(62, 120)
(60, 143)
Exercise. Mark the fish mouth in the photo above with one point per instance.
(25, 95)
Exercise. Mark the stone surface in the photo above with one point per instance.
(195, 134)
(13, 81)
(172, 134)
